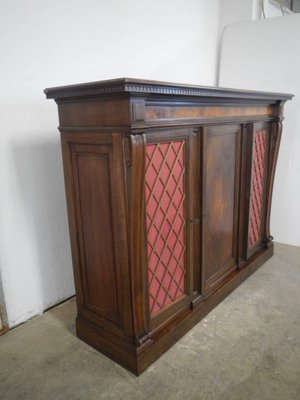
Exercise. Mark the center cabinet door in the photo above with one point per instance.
(220, 172)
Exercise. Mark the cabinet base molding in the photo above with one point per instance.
(138, 359)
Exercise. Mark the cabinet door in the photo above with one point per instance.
(221, 165)
(259, 144)
(169, 177)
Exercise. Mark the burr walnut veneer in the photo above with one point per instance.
(169, 192)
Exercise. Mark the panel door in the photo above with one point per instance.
(259, 138)
(169, 215)
(220, 171)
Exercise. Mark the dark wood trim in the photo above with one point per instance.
(247, 163)
(197, 214)
(171, 123)
(243, 193)
(147, 87)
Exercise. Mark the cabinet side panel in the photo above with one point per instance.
(165, 221)
(94, 206)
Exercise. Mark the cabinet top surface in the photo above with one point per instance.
(143, 87)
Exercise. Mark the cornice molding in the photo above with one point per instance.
(140, 87)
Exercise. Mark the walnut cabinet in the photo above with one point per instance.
(169, 191)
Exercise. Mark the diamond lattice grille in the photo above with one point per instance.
(257, 187)
(165, 221)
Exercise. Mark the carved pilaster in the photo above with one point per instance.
(276, 130)
(136, 226)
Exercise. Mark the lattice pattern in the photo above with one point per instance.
(257, 187)
(165, 220)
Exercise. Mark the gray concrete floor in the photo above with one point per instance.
(246, 348)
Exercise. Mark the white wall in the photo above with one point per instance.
(264, 55)
(234, 11)
(48, 43)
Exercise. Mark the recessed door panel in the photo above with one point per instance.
(95, 174)
(98, 244)
(167, 207)
(259, 175)
(165, 220)
(221, 154)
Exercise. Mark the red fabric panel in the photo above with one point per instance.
(257, 188)
(165, 220)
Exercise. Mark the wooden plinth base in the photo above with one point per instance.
(138, 359)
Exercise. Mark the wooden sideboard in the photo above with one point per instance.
(169, 191)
